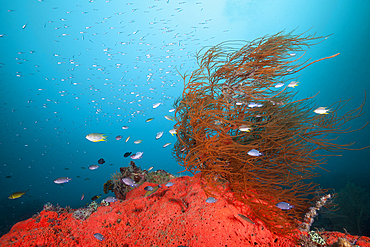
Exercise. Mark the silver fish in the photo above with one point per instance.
(93, 167)
(110, 199)
(255, 153)
(62, 180)
(159, 135)
(137, 156)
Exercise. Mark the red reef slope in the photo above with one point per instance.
(172, 216)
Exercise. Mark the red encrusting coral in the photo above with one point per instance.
(172, 216)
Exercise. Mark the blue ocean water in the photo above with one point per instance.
(72, 68)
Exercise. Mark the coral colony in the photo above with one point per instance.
(312, 213)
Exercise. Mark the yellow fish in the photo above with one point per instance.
(16, 195)
(96, 137)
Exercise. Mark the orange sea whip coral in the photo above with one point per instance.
(214, 105)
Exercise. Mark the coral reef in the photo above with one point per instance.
(140, 176)
(84, 213)
(312, 213)
(172, 216)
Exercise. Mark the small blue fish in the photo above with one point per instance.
(148, 188)
(129, 182)
(211, 200)
(169, 184)
(284, 206)
(255, 153)
(98, 236)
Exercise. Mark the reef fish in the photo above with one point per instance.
(129, 181)
(110, 199)
(169, 118)
(255, 153)
(148, 188)
(156, 105)
(211, 200)
(149, 119)
(124, 127)
(245, 128)
(62, 180)
(321, 110)
(167, 144)
(169, 184)
(279, 85)
(93, 167)
(95, 197)
(148, 193)
(98, 236)
(159, 135)
(173, 131)
(137, 156)
(293, 84)
(138, 141)
(118, 137)
(96, 137)
(101, 161)
(16, 195)
(127, 154)
(284, 206)
(246, 218)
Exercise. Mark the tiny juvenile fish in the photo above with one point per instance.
(149, 119)
(284, 206)
(101, 161)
